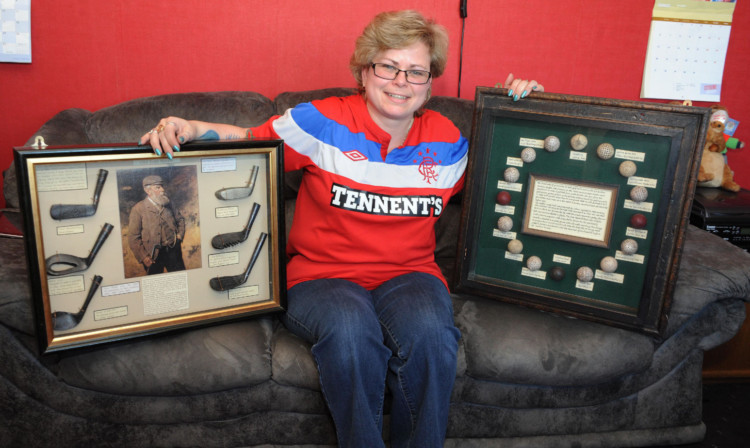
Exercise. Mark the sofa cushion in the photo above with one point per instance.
(128, 121)
(293, 363)
(459, 111)
(287, 100)
(202, 360)
(512, 344)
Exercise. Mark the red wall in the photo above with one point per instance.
(92, 54)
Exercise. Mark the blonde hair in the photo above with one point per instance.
(395, 30)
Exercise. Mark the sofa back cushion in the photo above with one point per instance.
(128, 121)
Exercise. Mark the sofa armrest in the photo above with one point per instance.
(710, 270)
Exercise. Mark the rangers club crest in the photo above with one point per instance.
(427, 166)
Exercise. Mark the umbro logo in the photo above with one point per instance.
(355, 155)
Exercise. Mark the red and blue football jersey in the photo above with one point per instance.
(362, 214)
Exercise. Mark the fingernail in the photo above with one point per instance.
(523, 95)
(176, 148)
(157, 151)
(533, 88)
(182, 139)
(169, 154)
(515, 97)
(510, 93)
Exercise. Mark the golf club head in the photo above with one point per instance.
(232, 281)
(222, 241)
(56, 264)
(64, 264)
(71, 211)
(226, 282)
(227, 194)
(66, 211)
(62, 320)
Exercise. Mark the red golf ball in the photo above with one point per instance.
(503, 198)
(638, 221)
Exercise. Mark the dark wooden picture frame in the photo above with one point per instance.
(644, 157)
(95, 234)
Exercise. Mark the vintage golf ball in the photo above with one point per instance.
(503, 198)
(639, 194)
(551, 143)
(557, 273)
(515, 246)
(528, 155)
(505, 223)
(627, 168)
(629, 246)
(534, 263)
(578, 142)
(511, 174)
(605, 151)
(638, 221)
(585, 274)
(608, 264)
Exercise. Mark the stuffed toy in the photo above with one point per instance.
(714, 171)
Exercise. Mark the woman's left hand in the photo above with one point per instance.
(520, 88)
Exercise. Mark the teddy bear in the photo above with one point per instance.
(714, 171)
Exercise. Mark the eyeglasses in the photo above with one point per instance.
(390, 72)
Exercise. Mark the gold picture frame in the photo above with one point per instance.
(121, 243)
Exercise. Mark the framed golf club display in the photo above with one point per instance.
(578, 205)
(121, 243)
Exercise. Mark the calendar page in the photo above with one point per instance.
(686, 50)
(15, 30)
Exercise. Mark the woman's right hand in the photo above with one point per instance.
(167, 136)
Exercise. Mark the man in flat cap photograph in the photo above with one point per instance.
(156, 230)
(156, 223)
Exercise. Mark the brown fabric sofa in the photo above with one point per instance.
(524, 377)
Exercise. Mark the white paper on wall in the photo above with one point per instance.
(686, 50)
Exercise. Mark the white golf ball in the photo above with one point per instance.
(528, 155)
(639, 194)
(515, 246)
(605, 151)
(608, 264)
(585, 274)
(578, 142)
(629, 246)
(534, 263)
(505, 223)
(627, 168)
(551, 143)
(511, 174)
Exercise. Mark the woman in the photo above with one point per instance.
(364, 288)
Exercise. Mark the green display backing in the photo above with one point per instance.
(506, 134)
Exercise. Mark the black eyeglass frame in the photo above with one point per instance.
(398, 70)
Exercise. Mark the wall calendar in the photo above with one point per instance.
(686, 50)
(15, 31)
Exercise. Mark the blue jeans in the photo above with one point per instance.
(401, 334)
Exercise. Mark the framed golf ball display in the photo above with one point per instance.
(577, 205)
(122, 243)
